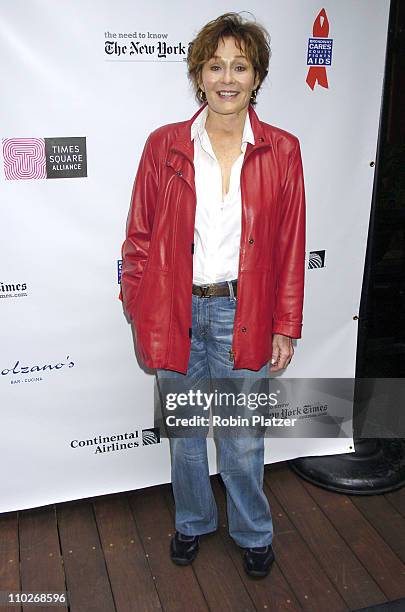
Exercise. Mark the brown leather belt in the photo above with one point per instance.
(216, 289)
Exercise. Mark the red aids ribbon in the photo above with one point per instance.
(318, 73)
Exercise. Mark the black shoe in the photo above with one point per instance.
(183, 548)
(257, 561)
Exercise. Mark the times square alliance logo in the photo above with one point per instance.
(44, 158)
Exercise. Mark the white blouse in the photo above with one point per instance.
(217, 223)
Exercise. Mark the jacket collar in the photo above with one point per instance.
(184, 144)
(198, 127)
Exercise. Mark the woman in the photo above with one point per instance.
(213, 272)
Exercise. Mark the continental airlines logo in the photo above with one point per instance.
(316, 259)
(150, 436)
(123, 441)
(119, 270)
(44, 158)
(319, 55)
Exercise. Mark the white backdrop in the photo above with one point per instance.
(61, 237)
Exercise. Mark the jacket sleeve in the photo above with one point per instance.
(135, 249)
(290, 252)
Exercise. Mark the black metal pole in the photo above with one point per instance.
(378, 464)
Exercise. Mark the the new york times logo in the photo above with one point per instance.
(13, 290)
(137, 46)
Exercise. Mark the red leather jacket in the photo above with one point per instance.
(157, 259)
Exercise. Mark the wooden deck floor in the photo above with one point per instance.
(333, 552)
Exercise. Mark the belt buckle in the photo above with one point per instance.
(204, 290)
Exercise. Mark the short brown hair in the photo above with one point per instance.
(253, 36)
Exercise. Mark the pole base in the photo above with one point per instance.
(376, 466)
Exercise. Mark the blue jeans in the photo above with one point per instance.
(241, 458)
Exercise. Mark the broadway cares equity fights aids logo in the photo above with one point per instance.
(41, 158)
(319, 55)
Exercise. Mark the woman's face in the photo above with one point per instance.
(228, 79)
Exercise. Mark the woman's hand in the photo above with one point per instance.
(282, 352)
